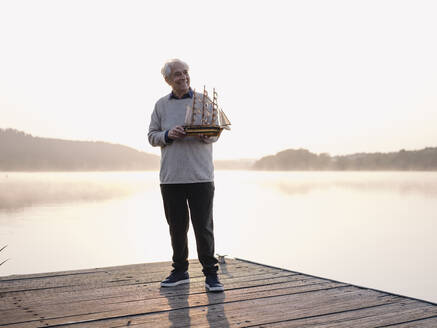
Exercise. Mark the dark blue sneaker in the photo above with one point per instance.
(213, 284)
(176, 278)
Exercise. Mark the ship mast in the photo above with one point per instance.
(202, 121)
(214, 106)
(193, 111)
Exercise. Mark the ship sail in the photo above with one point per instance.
(224, 121)
(188, 115)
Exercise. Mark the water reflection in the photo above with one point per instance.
(404, 183)
(21, 190)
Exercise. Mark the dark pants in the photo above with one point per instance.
(180, 202)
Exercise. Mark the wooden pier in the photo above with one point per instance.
(255, 296)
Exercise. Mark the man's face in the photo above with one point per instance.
(179, 79)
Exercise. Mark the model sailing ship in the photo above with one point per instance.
(204, 117)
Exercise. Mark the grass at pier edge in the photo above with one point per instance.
(1, 263)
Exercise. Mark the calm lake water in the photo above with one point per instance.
(374, 229)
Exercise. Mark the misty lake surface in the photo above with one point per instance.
(374, 229)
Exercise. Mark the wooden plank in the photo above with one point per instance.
(79, 292)
(386, 314)
(242, 312)
(106, 289)
(255, 295)
(89, 276)
(127, 308)
(107, 277)
(421, 323)
(242, 305)
(158, 302)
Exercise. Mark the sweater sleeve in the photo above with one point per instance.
(156, 135)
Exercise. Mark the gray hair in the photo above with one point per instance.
(166, 69)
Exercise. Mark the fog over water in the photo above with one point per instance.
(21, 190)
(375, 229)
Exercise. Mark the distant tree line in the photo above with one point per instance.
(302, 159)
(23, 152)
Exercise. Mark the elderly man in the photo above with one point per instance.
(187, 178)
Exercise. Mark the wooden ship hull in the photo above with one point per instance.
(206, 130)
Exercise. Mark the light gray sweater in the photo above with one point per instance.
(188, 160)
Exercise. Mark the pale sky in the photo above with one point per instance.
(329, 76)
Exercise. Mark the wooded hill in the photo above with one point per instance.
(302, 159)
(23, 152)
